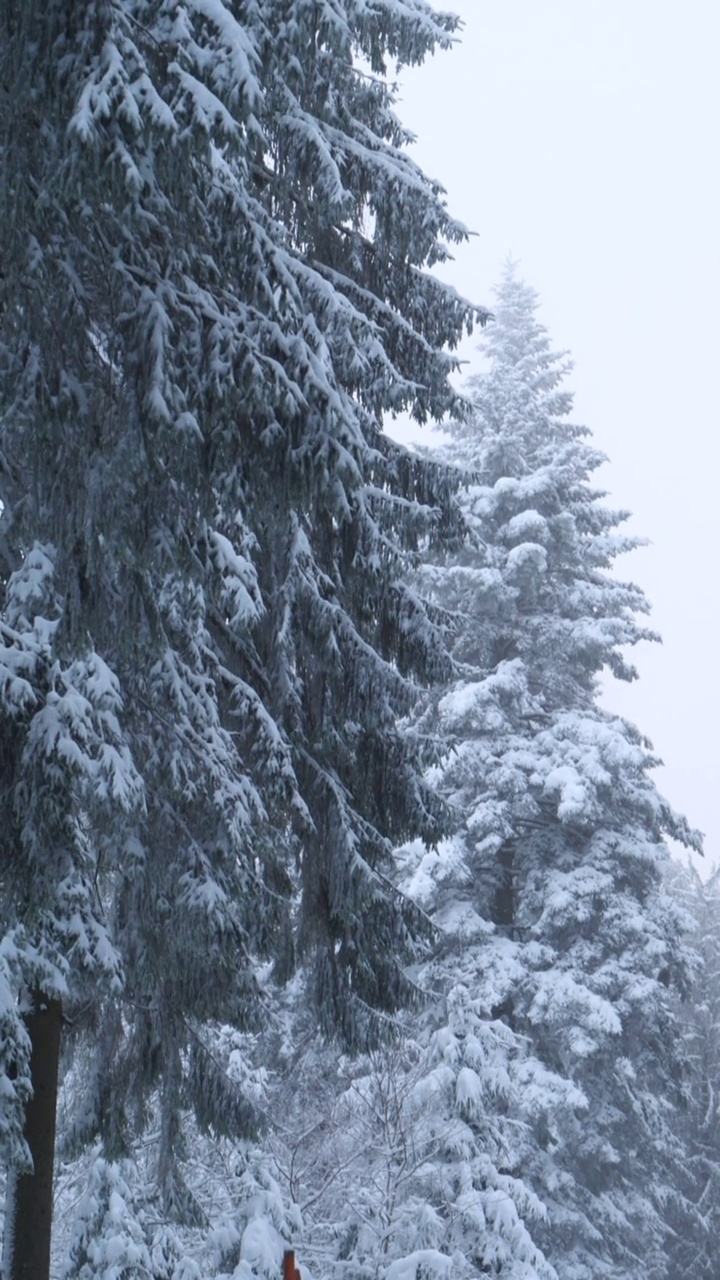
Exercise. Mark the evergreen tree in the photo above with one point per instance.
(398, 1160)
(113, 1238)
(109, 1240)
(556, 924)
(213, 285)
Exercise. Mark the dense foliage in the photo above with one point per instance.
(213, 285)
(249, 647)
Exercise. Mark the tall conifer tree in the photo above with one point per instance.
(558, 932)
(213, 285)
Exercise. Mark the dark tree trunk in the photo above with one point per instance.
(502, 913)
(28, 1213)
(503, 905)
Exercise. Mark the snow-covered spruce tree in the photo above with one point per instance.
(109, 1238)
(556, 925)
(115, 1235)
(399, 1174)
(396, 1159)
(212, 287)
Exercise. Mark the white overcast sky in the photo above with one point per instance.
(581, 138)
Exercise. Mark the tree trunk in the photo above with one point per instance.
(29, 1207)
(503, 905)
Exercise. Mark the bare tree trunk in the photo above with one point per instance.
(29, 1207)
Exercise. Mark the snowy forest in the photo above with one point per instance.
(339, 915)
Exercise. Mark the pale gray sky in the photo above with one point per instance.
(581, 137)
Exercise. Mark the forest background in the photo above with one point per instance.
(249, 646)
